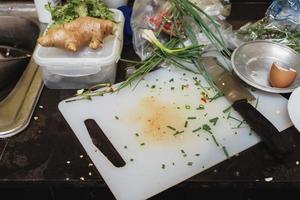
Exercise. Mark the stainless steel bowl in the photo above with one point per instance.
(252, 62)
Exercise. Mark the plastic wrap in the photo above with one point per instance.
(285, 10)
(157, 15)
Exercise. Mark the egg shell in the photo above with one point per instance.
(281, 77)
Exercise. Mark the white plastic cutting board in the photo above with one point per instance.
(157, 159)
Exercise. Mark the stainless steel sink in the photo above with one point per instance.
(19, 27)
(10, 37)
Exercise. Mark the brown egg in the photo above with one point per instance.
(281, 77)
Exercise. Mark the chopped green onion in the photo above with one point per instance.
(225, 151)
(227, 109)
(186, 124)
(187, 107)
(196, 130)
(172, 128)
(206, 127)
(200, 107)
(178, 132)
(214, 120)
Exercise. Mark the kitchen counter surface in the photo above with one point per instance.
(47, 153)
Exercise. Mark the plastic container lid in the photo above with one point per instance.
(86, 60)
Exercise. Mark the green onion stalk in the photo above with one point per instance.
(168, 53)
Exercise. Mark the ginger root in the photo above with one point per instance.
(74, 35)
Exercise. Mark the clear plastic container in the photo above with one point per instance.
(62, 69)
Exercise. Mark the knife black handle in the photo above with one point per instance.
(276, 142)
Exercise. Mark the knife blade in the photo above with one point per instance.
(239, 96)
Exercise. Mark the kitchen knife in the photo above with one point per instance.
(239, 96)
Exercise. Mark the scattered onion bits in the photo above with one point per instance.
(282, 77)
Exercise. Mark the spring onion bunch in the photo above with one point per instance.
(169, 53)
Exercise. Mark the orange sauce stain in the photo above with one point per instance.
(153, 116)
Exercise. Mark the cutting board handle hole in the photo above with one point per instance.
(103, 144)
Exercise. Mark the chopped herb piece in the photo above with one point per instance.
(131, 159)
(172, 128)
(184, 86)
(178, 132)
(184, 155)
(196, 130)
(250, 132)
(218, 95)
(192, 117)
(156, 79)
(215, 140)
(184, 74)
(190, 163)
(173, 163)
(214, 120)
(116, 117)
(227, 109)
(196, 81)
(137, 135)
(171, 80)
(187, 107)
(186, 124)
(178, 108)
(143, 144)
(153, 86)
(172, 88)
(205, 114)
(241, 123)
(125, 147)
(182, 151)
(163, 166)
(197, 154)
(257, 100)
(206, 127)
(230, 117)
(200, 107)
(225, 151)
(147, 85)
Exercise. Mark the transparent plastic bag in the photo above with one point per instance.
(156, 15)
(285, 10)
(281, 25)
(271, 30)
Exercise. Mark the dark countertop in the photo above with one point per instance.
(47, 153)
